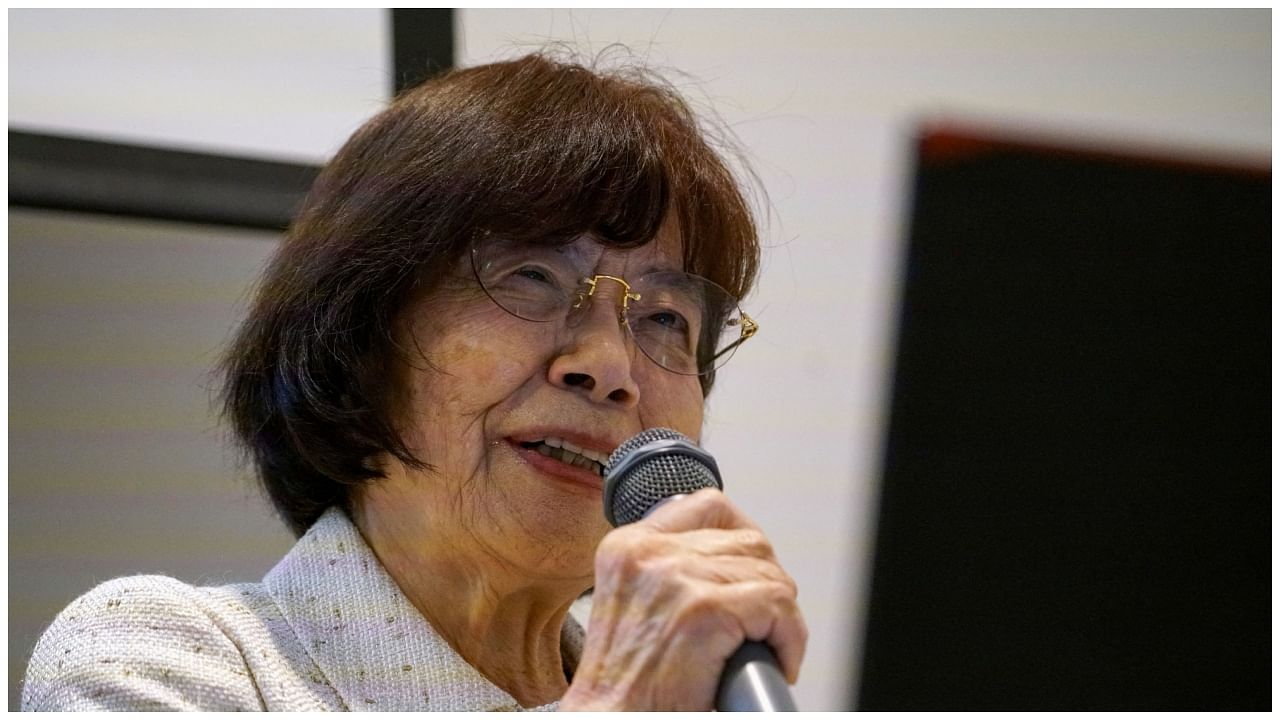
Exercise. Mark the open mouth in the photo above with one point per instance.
(569, 454)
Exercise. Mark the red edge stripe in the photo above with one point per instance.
(946, 143)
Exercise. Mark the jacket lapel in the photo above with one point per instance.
(373, 646)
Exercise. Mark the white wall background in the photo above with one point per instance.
(825, 101)
(273, 84)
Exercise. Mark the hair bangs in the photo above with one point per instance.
(577, 161)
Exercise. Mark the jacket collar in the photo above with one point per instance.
(373, 646)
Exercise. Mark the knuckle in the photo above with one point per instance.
(630, 552)
(611, 566)
(792, 589)
(617, 554)
(779, 594)
(755, 543)
(671, 567)
(702, 610)
(611, 545)
(802, 631)
(611, 539)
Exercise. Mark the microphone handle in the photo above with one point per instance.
(753, 682)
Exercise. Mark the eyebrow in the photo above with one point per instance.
(657, 268)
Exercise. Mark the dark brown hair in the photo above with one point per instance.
(533, 149)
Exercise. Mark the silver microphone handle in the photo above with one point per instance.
(752, 682)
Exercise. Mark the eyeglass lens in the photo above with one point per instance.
(681, 321)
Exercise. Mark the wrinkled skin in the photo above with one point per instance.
(676, 594)
(493, 551)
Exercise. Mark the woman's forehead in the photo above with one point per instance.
(640, 260)
(664, 252)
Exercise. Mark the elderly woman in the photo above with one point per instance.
(497, 281)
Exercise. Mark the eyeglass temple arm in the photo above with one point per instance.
(749, 328)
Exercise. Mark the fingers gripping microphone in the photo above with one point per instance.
(643, 473)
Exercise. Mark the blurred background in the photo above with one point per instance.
(129, 268)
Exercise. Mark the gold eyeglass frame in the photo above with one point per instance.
(749, 326)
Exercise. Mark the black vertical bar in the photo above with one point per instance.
(67, 173)
(422, 44)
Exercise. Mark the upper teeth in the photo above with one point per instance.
(590, 454)
(567, 452)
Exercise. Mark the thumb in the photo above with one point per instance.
(706, 508)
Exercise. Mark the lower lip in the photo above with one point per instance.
(574, 476)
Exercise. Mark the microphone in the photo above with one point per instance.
(646, 471)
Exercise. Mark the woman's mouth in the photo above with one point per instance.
(568, 453)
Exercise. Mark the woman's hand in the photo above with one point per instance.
(676, 594)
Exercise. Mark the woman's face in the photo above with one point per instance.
(487, 388)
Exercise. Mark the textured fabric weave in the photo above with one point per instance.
(327, 629)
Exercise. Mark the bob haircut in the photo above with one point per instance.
(534, 149)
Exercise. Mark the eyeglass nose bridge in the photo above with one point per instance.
(591, 284)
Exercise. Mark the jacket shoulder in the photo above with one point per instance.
(147, 642)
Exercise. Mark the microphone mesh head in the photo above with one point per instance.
(631, 490)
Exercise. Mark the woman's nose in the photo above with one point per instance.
(596, 356)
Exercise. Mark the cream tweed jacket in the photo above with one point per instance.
(326, 629)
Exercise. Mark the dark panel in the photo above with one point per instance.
(64, 173)
(1076, 502)
(422, 44)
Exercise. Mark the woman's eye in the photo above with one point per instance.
(534, 274)
(669, 320)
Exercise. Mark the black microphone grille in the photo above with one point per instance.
(650, 467)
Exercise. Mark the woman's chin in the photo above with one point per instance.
(558, 551)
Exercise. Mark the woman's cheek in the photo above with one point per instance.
(498, 357)
(673, 401)
(459, 371)
(478, 343)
